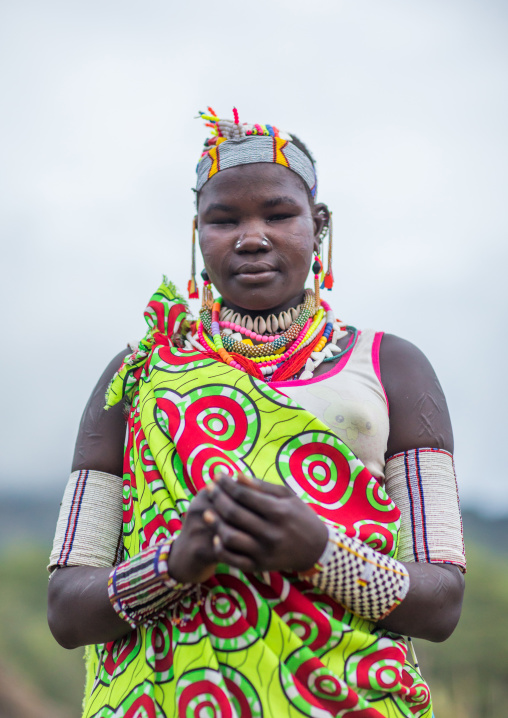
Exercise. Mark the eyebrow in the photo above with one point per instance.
(217, 206)
(269, 203)
(275, 201)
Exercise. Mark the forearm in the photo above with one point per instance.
(432, 606)
(79, 609)
(414, 599)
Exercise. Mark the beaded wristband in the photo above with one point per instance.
(366, 582)
(141, 590)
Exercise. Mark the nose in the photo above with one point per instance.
(252, 239)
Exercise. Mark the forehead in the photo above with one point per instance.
(253, 182)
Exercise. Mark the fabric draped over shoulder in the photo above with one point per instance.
(261, 645)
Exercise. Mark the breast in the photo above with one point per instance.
(352, 403)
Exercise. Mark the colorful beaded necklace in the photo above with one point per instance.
(277, 356)
(269, 343)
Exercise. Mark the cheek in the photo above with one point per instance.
(216, 257)
(297, 250)
(204, 246)
(211, 248)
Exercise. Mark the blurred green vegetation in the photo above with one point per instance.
(468, 674)
(26, 644)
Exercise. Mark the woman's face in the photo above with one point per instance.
(257, 231)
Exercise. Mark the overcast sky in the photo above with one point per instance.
(404, 105)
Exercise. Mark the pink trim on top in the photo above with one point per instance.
(375, 362)
(336, 369)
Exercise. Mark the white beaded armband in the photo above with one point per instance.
(367, 583)
(89, 527)
(423, 485)
(141, 590)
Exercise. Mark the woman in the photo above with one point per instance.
(274, 463)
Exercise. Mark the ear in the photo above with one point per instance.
(321, 217)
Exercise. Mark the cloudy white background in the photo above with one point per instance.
(404, 105)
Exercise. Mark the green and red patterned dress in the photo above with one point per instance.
(247, 645)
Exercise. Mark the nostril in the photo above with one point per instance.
(252, 244)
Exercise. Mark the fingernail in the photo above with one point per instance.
(216, 541)
(212, 491)
(209, 517)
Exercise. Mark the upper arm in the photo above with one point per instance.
(418, 411)
(100, 441)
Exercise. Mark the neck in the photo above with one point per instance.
(294, 302)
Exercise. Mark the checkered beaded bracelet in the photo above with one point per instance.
(141, 590)
(366, 582)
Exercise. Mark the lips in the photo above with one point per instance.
(252, 273)
(255, 268)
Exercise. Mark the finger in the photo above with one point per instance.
(249, 481)
(244, 563)
(237, 541)
(199, 503)
(256, 484)
(263, 486)
(265, 504)
(236, 515)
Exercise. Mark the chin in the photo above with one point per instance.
(260, 298)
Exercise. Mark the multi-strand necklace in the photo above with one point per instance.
(309, 337)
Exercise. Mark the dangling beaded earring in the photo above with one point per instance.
(328, 280)
(207, 291)
(317, 269)
(192, 287)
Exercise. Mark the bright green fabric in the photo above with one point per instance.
(254, 645)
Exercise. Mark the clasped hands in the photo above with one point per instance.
(249, 524)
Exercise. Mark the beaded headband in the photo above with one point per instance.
(234, 143)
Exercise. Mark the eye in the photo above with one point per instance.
(280, 217)
(223, 222)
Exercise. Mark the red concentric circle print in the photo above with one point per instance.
(139, 703)
(380, 538)
(242, 693)
(314, 467)
(304, 618)
(118, 655)
(418, 694)
(202, 692)
(214, 428)
(191, 628)
(159, 650)
(206, 462)
(377, 668)
(312, 688)
(234, 615)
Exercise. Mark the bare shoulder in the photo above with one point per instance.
(99, 444)
(419, 414)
